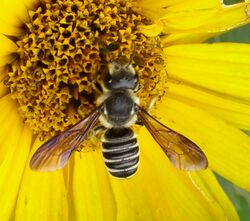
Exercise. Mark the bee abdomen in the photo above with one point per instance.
(120, 151)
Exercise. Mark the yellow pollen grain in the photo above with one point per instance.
(59, 56)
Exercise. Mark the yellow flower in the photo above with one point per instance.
(204, 92)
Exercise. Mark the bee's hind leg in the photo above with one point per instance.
(96, 133)
(151, 103)
(148, 108)
(97, 86)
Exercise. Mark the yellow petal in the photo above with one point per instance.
(7, 48)
(13, 12)
(157, 9)
(12, 16)
(15, 139)
(234, 111)
(215, 20)
(90, 190)
(10, 29)
(8, 108)
(221, 67)
(184, 38)
(6, 45)
(227, 148)
(30, 4)
(11, 169)
(151, 30)
(3, 89)
(210, 16)
(42, 196)
(207, 183)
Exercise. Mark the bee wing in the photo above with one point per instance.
(182, 152)
(54, 153)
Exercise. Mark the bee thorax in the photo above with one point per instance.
(118, 108)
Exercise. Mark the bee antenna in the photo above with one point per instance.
(104, 48)
(132, 57)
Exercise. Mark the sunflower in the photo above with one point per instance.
(50, 56)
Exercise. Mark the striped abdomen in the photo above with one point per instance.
(120, 151)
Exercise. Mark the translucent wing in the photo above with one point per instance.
(182, 152)
(55, 153)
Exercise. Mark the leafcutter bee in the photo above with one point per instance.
(118, 108)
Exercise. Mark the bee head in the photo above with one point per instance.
(121, 75)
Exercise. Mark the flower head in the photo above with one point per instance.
(52, 51)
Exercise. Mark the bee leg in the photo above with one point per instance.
(151, 103)
(138, 88)
(95, 134)
(97, 86)
(139, 122)
(132, 57)
(148, 108)
(95, 137)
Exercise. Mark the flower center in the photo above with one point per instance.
(60, 55)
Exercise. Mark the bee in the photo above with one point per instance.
(118, 108)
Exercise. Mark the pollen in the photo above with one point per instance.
(61, 54)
